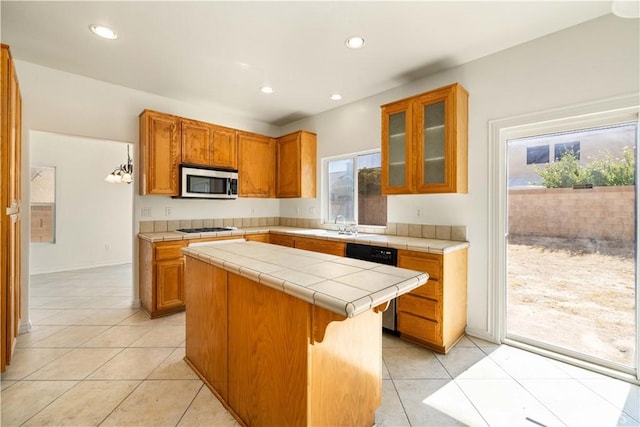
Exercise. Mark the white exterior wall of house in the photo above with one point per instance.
(595, 60)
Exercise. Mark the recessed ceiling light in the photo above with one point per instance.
(104, 32)
(266, 89)
(336, 97)
(354, 42)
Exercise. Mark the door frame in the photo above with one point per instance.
(619, 109)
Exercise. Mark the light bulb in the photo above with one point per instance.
(126, 178)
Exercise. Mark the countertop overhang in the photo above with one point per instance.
(344, 286)
(436, 246)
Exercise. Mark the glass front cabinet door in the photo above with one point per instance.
(424, 143)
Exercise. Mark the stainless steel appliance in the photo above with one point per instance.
(381, 255)
(208, 183)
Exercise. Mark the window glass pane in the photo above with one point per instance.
(341, 189)
(397, 148)
(537, 155)
(566, 147)
(434, 143)
(372, 205)
(43, 186)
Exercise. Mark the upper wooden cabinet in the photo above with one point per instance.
(159, 153)
(424, 143)
(296, 160)
(205, 144)
(256, 165)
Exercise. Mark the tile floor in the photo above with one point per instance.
(92, 360)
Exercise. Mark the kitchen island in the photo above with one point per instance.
(289, 337)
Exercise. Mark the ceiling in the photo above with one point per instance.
(219, 54)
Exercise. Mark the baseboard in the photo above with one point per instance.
(484, 335)
(25, 327)
(76, 267)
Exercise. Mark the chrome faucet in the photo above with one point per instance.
(343, 229)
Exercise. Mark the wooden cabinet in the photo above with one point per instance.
(281, 239)
(317, 245)
(159, 154)
(256, 165)
(296, 165)
(10, 200)
(424, 143)
(205, 144)
(161, 277)
(260, 237)
(435, 314)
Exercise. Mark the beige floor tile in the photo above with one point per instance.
(161, 336)
(108, 317)
(174, 368)
(86, 404)
(36, 315)
(174, 319)
(75, 365)
(206, 410)
(139, 318)
(155, 403)
(412, 363)
(65, 317)
(132, 364)
(118, 336)
(28, 360)
(71, 336)
(36, 334)
(391, 413)
(6, 384)
(25, 399)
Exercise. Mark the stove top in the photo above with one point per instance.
(206, 229)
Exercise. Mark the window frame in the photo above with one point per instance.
(325, 203)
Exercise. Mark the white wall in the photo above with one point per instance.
(591, 61)
(92, 217)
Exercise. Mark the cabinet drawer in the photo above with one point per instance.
(429, 263)
(171, 251)
(331, 248)
(432, 289)
(417, 327)
(422, 307)
(282, 240)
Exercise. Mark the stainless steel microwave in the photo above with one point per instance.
(207, 183)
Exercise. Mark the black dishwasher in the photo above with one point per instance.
(380, 255)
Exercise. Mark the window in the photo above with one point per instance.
(354, 189)
(560, 149)
(538, 154)
(43, 194)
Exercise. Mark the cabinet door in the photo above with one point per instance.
(224, 148)
(288, 156)
(397, 149)
(160, 153)
(256, 165)
(170, 284)
(324, 246)
(195, 142)
(281, 239)
(441, 147)
(13, 149)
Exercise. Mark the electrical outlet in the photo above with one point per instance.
(167, 211)
(312, 210)
(418, 212)
(145, 212)
(298, 211)
(107, 247)
(253, 211)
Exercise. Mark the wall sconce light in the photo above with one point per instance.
(123, 173)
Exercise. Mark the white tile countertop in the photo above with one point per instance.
(344, 286)
(385, 240)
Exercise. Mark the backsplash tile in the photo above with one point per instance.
(425, 231)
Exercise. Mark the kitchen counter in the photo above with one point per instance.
(343, 286)
(399, 242)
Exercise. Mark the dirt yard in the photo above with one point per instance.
(574, 293)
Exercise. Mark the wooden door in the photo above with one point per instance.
(196, 137)
(256, 165)
(288, 160)
(170, 284)
(224, 148)
(160, 153)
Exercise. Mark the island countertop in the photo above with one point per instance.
(343, 286)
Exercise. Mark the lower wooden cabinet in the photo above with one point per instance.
(309, 244)
(281, 239)
(435, 314)
(260, 237)
(161, 279)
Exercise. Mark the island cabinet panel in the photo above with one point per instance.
(260, 237)
(269, 389)
(435, 314)
(206, 339)
(296, 165)
(256, 165)
(161, 278)
(159, 153)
